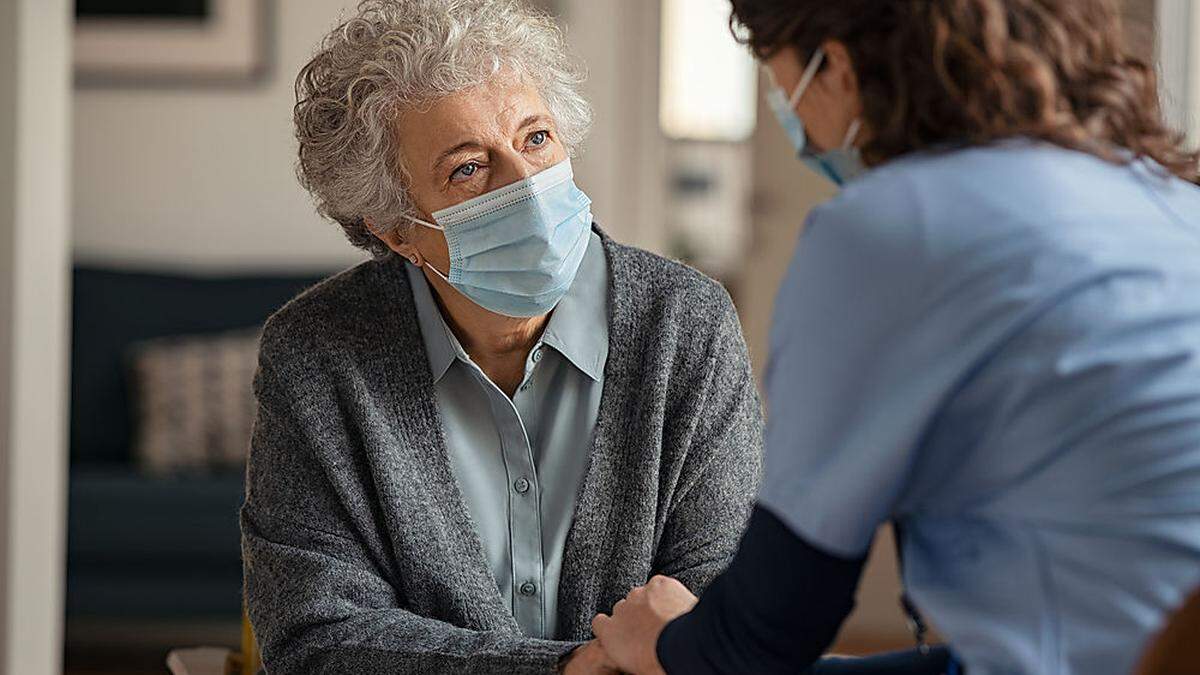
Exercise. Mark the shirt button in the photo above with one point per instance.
(528, 588)
(537, 355)
(521, 485)
(524, 387)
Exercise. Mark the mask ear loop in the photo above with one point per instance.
(428, 224)
(852, 133)
(810, 73)
(421, 261)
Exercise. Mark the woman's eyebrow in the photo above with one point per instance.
(533, 119)
(447, 154)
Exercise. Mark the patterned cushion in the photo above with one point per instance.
(194, 401)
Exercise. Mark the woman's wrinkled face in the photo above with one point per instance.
(470, 143)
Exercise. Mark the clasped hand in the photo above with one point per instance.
(625, 641)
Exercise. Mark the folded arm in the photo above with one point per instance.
(320, 607)
(320, 598)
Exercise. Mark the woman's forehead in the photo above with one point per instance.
(487, 112)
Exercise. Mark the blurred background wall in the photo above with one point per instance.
(200, 176)
(187, 221)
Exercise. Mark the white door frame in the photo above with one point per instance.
(624, 161)
(35, 103)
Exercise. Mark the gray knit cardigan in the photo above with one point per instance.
(360, 555)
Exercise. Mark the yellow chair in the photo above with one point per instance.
(248, 661)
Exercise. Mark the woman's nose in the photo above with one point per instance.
(512, 166)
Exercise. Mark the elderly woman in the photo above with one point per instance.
(471, 444)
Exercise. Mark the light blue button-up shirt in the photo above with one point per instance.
(1000, 348)
(520, 462)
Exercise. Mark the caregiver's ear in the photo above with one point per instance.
(395, 241)
(838, 74)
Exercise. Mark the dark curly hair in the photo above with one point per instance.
(971, 72)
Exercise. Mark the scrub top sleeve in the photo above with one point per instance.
(869, 337)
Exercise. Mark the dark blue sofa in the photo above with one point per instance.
(137, 546)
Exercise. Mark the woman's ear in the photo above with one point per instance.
(840, 77)
(396, 242)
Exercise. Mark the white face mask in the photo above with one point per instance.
(515, 250)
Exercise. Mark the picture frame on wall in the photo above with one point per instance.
(170, 42)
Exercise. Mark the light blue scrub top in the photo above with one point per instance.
(519, 462)
(1000, 348)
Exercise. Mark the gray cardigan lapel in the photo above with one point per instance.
(461, 537)
(593, 506)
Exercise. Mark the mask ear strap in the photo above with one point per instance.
(435, 271)
(852, 133)
(809, 74)
(421, 262)
(428, 224)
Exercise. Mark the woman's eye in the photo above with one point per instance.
(465, 171)
(538, 138)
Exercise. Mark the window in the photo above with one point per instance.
(708, 81)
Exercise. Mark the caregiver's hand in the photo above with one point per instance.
(589, 659)
(629, 636)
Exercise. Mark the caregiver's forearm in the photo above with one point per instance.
(776, 609)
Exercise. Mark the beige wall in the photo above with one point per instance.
(202, 177)
(1178, 50)
(1139, 16)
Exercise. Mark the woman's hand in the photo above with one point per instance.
(630, 635)
(589, 659)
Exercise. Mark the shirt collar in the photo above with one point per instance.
(578, 327)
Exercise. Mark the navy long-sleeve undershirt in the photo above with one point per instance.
(775, 610)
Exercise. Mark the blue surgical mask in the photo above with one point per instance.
(838, 165)
(515, 250)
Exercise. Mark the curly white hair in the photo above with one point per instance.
(395, 54)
